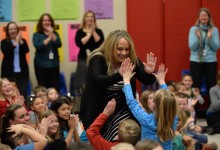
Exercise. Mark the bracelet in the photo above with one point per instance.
(87, 33)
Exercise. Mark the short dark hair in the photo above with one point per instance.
(8, 139)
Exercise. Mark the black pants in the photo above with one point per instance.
(213, 120)
(22, 84)
(48, 77)
(203, 70)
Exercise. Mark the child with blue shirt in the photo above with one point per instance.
(160, 125)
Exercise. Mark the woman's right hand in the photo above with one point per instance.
(198, 34)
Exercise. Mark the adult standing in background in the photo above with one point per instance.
(104, 81)
(88, 38)
(46, 62)
(203, 44)
(14, 63)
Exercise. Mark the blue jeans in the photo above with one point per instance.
(200, 138)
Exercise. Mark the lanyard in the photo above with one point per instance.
(203, 41)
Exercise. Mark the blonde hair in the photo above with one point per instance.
(165, 102)
(183, 118)
(179, 85)
(128, 131)
(123, 146)
(45, 114)
(110, 45)
(147, 145)
(39, 88)
(83, 23)
(210, 23)
(1, 93)
(144, 100)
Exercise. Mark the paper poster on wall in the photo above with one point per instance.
(59, 30)
(64, 9)
(103, 9)
(5, 10)
(29, 10)
(25, 35)
(73, 49)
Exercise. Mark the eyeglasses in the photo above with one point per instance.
(47, 20)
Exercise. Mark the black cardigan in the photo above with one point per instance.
(7, 49)
(93, 99)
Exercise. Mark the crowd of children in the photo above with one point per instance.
(51, 119)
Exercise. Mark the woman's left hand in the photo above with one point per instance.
(150, 64)
(209, 34)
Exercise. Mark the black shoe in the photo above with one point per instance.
(203, 129)
(210, 131)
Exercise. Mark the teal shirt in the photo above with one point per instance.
(42, 51)
(211, 45)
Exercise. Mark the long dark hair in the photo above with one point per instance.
(55, 106)
(39, 23)
(9, 115)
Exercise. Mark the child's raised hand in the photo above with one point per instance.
(150, 64)
(110, 107)
(73, 121)
(194, 101)
(126, 70)
(189, 120)
(196, 92)
(161, 74)
(44, 124)
(20, 100)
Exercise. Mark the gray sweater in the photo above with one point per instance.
(215, 99)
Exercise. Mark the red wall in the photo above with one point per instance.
(162, 26)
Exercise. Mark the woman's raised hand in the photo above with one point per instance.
(150, 63)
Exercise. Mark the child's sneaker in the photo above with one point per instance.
(210, 131)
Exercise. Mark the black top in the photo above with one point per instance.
(7, 49)
(98, 84)
(91, 44)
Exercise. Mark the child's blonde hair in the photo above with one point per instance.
(147, 145)
(39, 88)
(123, 146)
(46, 114)
(128, 131)
(182, 117)
(1, 82)
(144, 100)
(165, 112)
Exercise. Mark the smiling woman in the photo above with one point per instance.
(203, 44)
(14, 114)
(46, 62)
(14, 63)
(104, 81)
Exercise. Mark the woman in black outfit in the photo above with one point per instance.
(88, 38)
(14, 63)
(105, 82)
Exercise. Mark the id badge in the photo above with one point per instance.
(204, 52)
(51, 55)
